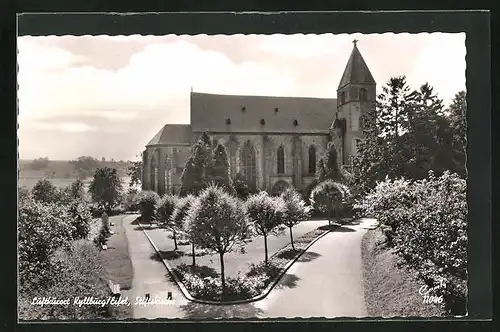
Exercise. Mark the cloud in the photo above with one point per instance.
(67, 127)
(115, 89)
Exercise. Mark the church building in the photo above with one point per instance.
(273, 142)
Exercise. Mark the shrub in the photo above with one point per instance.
(43, 228)
(165, 208)
(23, 194)
(178, 220)
(81, 218)
(270, 270)
(208, 286)
(428, 229)
(79, 272)
(130, 200)
(241, 186)
(329, 196)
(147, 202)
(45, 191)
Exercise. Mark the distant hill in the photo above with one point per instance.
(61, 172)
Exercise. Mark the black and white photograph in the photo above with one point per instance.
(242, 176)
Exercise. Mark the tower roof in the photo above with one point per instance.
(356, 71)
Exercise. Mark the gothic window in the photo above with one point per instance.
(154, 172)
(248, 164)
(312, 160)
(362, 94)
(342, 97)
(281, 160)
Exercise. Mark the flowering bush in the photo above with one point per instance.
(208, 286)
(271, 270)
(78, 273)
(43, 228)
(81, 218)
(428, 223)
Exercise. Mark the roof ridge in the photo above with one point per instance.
(258, 96)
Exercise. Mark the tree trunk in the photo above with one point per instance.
(291, 239)
(265, 247)
(222, 277)
(175, 239)
(192, 252)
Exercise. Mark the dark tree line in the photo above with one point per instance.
(410, 133)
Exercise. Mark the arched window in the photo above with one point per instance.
(281, 160)
(154, 172)
(362, 94)
(342, 97)
(248, 164)
(312, 160)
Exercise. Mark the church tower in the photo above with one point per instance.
(356, 96)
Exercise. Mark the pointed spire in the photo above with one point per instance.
(356, 71)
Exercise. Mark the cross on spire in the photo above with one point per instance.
(355, 41)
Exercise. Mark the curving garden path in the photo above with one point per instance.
(325, 282)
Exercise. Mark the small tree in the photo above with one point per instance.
(329, 196)
(148, 202)
(45, 191)
(134, 171)
(106, 187)
(295, 210)
(178, 218)
(265, 214)
(217, 222)
(165, 208)
(77, 189)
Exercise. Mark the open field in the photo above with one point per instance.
(61, 173)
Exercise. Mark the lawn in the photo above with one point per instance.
(234, 262)
(390, 291)
(117, 263)
(116, 258)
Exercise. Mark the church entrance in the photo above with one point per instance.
(248, 167)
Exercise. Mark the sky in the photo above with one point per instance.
(107, 96)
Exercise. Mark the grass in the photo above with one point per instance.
(390, 291)
(276, 265)
(117, 263)
(116, 258)
(234, 262)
